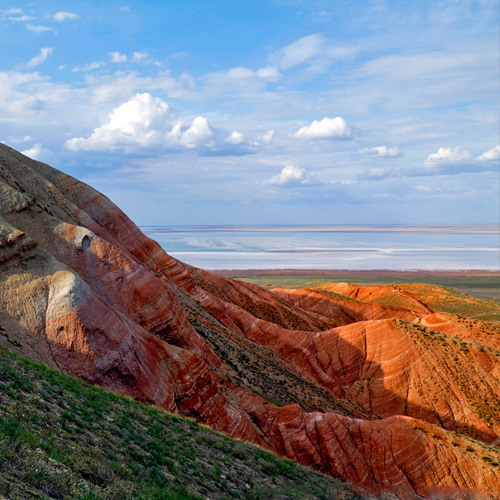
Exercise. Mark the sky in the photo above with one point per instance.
(262, 111)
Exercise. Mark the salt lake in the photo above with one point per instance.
(332, 247)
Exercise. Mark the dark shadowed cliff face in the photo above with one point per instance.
(367, 393)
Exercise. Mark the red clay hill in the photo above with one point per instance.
(379, 389)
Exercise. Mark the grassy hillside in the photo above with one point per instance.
(63, 439)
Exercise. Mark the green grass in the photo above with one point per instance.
(63, 439)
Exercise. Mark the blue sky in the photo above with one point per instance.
(262, 112)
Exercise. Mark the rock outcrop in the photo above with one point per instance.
(397, 398)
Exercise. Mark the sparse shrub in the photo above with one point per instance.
(240, 451)
(269, 469)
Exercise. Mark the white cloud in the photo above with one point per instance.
(300, 51)
(447, 156)
(133, 123)
(269, 72)
(240, 72)
(144, 58)
(14, 10)
(290, 176)
(382, 151)
(33, 152)
(140, 56)
(18, 140)
(424, 188)
(268, 137)
(40, 58)
(88, 67)
(63, 16)
(197, 134)
(491, 154)
(377, 172)
(116, 57)
(38, 153)
(319, 52)
(457, 74)
(121, 85)
(448, 161)
(177, 56)
(22, 18)
(235, 138)
(432, 65)
(37, 28)
(327, 128)
(240, 79)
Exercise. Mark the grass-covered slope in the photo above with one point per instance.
(63, 439)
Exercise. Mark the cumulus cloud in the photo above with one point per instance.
(63, 16)
(33, 152)
(140, 56)
(40, 58)
(448, 161)
(133, 123)
(116, 57)
(37, 152)
(235, 138)
(198, 134)
(37, 28)
(490, 155)
(291, 176)
(327, 128)
(382, 151)
(447, 156)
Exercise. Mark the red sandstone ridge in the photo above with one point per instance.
(380, 294)
(396, 398)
